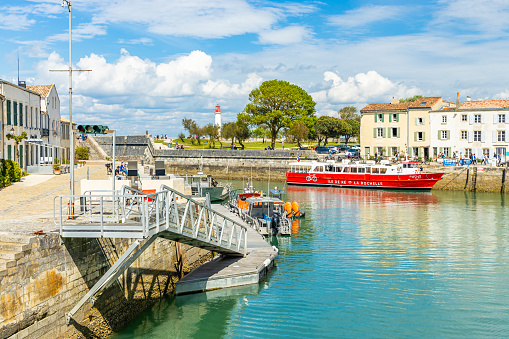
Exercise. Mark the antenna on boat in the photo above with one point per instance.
(268, 183)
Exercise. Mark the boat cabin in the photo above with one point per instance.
(356, 168)
(258, 206)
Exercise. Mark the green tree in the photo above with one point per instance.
(411, 99)
(212, 131)
(349, 112)
(327, 127)
(194, 130)
(259, 132)
(298, 132)
(278, 104)
(228, 130)
(182, 136)
(349, 128)
(242, 131)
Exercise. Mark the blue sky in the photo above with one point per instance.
(156, 62)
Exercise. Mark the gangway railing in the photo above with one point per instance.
(131, 213)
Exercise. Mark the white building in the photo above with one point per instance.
(36, 111)
(217, 120)
(476, 127)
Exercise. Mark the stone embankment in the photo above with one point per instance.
(472, 178)
(43, 276)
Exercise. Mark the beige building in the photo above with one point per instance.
(399, 127)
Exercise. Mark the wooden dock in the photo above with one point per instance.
(229, 271)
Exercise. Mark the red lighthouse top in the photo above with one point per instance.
(218, 110)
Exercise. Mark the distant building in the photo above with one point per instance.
(50, 113)
(218, 117)
(476, 127)
(399, 127)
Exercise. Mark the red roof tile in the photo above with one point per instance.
(43, 90)
(420, 102)
(485, 104)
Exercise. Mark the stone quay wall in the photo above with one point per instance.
(51, 277)
(473, 178)
(232, 164)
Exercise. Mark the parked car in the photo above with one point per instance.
(354, 153)
(343, 147)
(324, 150)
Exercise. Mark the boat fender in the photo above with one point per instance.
(295, 207)
(266, 263)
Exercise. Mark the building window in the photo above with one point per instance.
(444, 119)
(501, 136)
(447, 151)
(394, 132)
(486, 151)
(477, 118)
(420, 136)
(380, 151)
(380, 117)
(464, 135)
(468, 152)
(415, 151)
(443, 135)
(501, 118)
(394, 151)
(380, 132)
(477, 135)
(394, 117)
(463, 117)
(420, 121)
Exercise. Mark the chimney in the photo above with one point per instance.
(394, 101)
(22, 83)
(468, 98)
(458, 101)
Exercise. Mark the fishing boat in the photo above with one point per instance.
(269, 215)
(406, 175)
(202, 185)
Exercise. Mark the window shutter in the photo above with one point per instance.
(506, 136)
(374, 133)
(21, 153)
(470, 136)
(9, 152)
(495, 118)
(424, 121)
(494, 134)
(470, 119)
(15, 113)
(384, 133)
(448, 134)
(390, 117)
(398, 133)
(383, 116)
(483, 136)
(376, 117)
(397, 117)
(441, 150)
(506, 121)
(21, 115)
(398, 149)
(416, 121)
(439, 135)
(9, 122)
(483, 118)
(423, 136)
(415, 136)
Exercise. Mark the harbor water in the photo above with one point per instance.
(364, 263)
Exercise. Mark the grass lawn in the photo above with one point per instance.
(255, 145)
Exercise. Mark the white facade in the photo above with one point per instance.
(217, 120)
(470, 130)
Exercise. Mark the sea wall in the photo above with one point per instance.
(473, 178)
(52, 276)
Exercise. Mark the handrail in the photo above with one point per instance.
(134, 214)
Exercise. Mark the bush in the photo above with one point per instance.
(82, 153)
(9, 172)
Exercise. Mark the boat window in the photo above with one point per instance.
(339, 169)
(383, 170)
(374, 170)
(404, 165)
(329, 168)
(353, 169)
(368, 169)
(319, 169)
(361, 170)
(346, 170)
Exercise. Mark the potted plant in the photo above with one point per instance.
(56, 169)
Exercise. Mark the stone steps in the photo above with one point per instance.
(6, 263)
(11, 255)
(16, 238)
(14, 246)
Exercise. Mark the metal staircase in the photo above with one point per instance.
(132, 214)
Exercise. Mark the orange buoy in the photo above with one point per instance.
(295, 208)
(288, 208)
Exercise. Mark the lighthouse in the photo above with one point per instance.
(218, 117)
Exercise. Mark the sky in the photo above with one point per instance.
(156, 62)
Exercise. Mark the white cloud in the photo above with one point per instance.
(363, 87)
(502, 95)
(223, 88)
(285, 36)
(82, 31)
(15, 22)
(366, 15)
(139, 41)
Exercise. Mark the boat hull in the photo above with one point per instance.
(421, 181)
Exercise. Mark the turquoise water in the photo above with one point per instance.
(364, 263)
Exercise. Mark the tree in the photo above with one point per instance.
(411, 99)
(259, 132)
(327, 127)
(349, 112)
(194, 130)
(299, 132)
(182, 136)
(242, 131)
(17, 140)
(278, 104)
(212, 131)
(349, 128)
(228, 130)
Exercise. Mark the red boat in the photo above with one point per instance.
(406, 175)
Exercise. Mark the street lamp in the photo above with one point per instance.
(12, 130)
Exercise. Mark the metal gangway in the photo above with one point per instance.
(133, 214)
